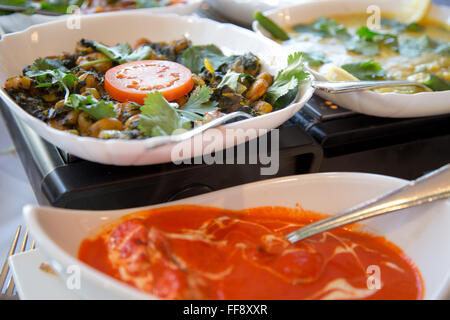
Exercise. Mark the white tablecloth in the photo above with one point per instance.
(15, 191)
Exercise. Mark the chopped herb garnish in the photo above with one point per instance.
(286, 85)
(194, 58)
(326, 28)
(52, 73)
(399, 27)
(315, 58)
(199, 101)
(160, 118)
(120, 53)
(99, 109)
(366, 70)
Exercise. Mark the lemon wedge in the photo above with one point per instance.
(413, 11)
(339, 74)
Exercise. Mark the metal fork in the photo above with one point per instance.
(8, 282)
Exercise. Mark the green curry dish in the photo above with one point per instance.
(366, 70)
(97, 109)
(286, 85)
(160, 118)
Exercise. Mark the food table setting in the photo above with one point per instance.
(351, 98)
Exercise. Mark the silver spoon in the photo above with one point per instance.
(429, 188)
(352, 86)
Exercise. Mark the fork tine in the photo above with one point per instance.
(10, 289)
(24, 241)
(5, 268)
(11, 285)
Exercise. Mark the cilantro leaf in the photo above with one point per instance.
(363, 46)
(315, 58)
(141, 53)
(324, 27)
(52, 73)
(366, 70)
(233, 80)
(98, 109)
(120, 53)
(371, 35)
(413, 47)
(47, 64)
(367, 42)
(199, 101)
(443, 49)
(152, 3)
(399, 27)
(193, 58)
(286, 85)
(159, 118)
(436, 83)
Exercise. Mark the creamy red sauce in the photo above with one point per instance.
(192, 252)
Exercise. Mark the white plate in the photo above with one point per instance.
(18, 21)
(32, 283)
(421, 232)
(39, 41)
(377, 104)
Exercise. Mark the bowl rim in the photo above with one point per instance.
(306, 87)
(51, 249)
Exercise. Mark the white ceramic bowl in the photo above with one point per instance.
(377, 104)
(20, 49)
(18, 21)
(421, 232)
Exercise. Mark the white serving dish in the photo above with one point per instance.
(421, 232)
(18, 21)
(392, 105)
(20, 49)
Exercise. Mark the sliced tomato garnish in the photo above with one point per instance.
(133, 81)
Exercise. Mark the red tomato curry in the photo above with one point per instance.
(192, 252)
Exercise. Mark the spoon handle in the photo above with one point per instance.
(351, 86)
(429, 188)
